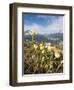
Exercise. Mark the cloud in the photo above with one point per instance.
(54, 27)
(35, 27)
(42, 16)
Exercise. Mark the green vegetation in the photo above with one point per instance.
(42, 57)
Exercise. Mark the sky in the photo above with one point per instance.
(43, 24)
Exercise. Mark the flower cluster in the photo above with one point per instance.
(42, 58)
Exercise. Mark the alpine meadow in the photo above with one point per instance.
(43, 43)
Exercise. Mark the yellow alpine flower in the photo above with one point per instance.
(35, 46)
(49, 48)
(41, 46)
(43, 59)
(57, 55)
(33, 33)
(43, 51)
(46, 46)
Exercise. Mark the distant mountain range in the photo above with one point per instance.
(54, 37)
